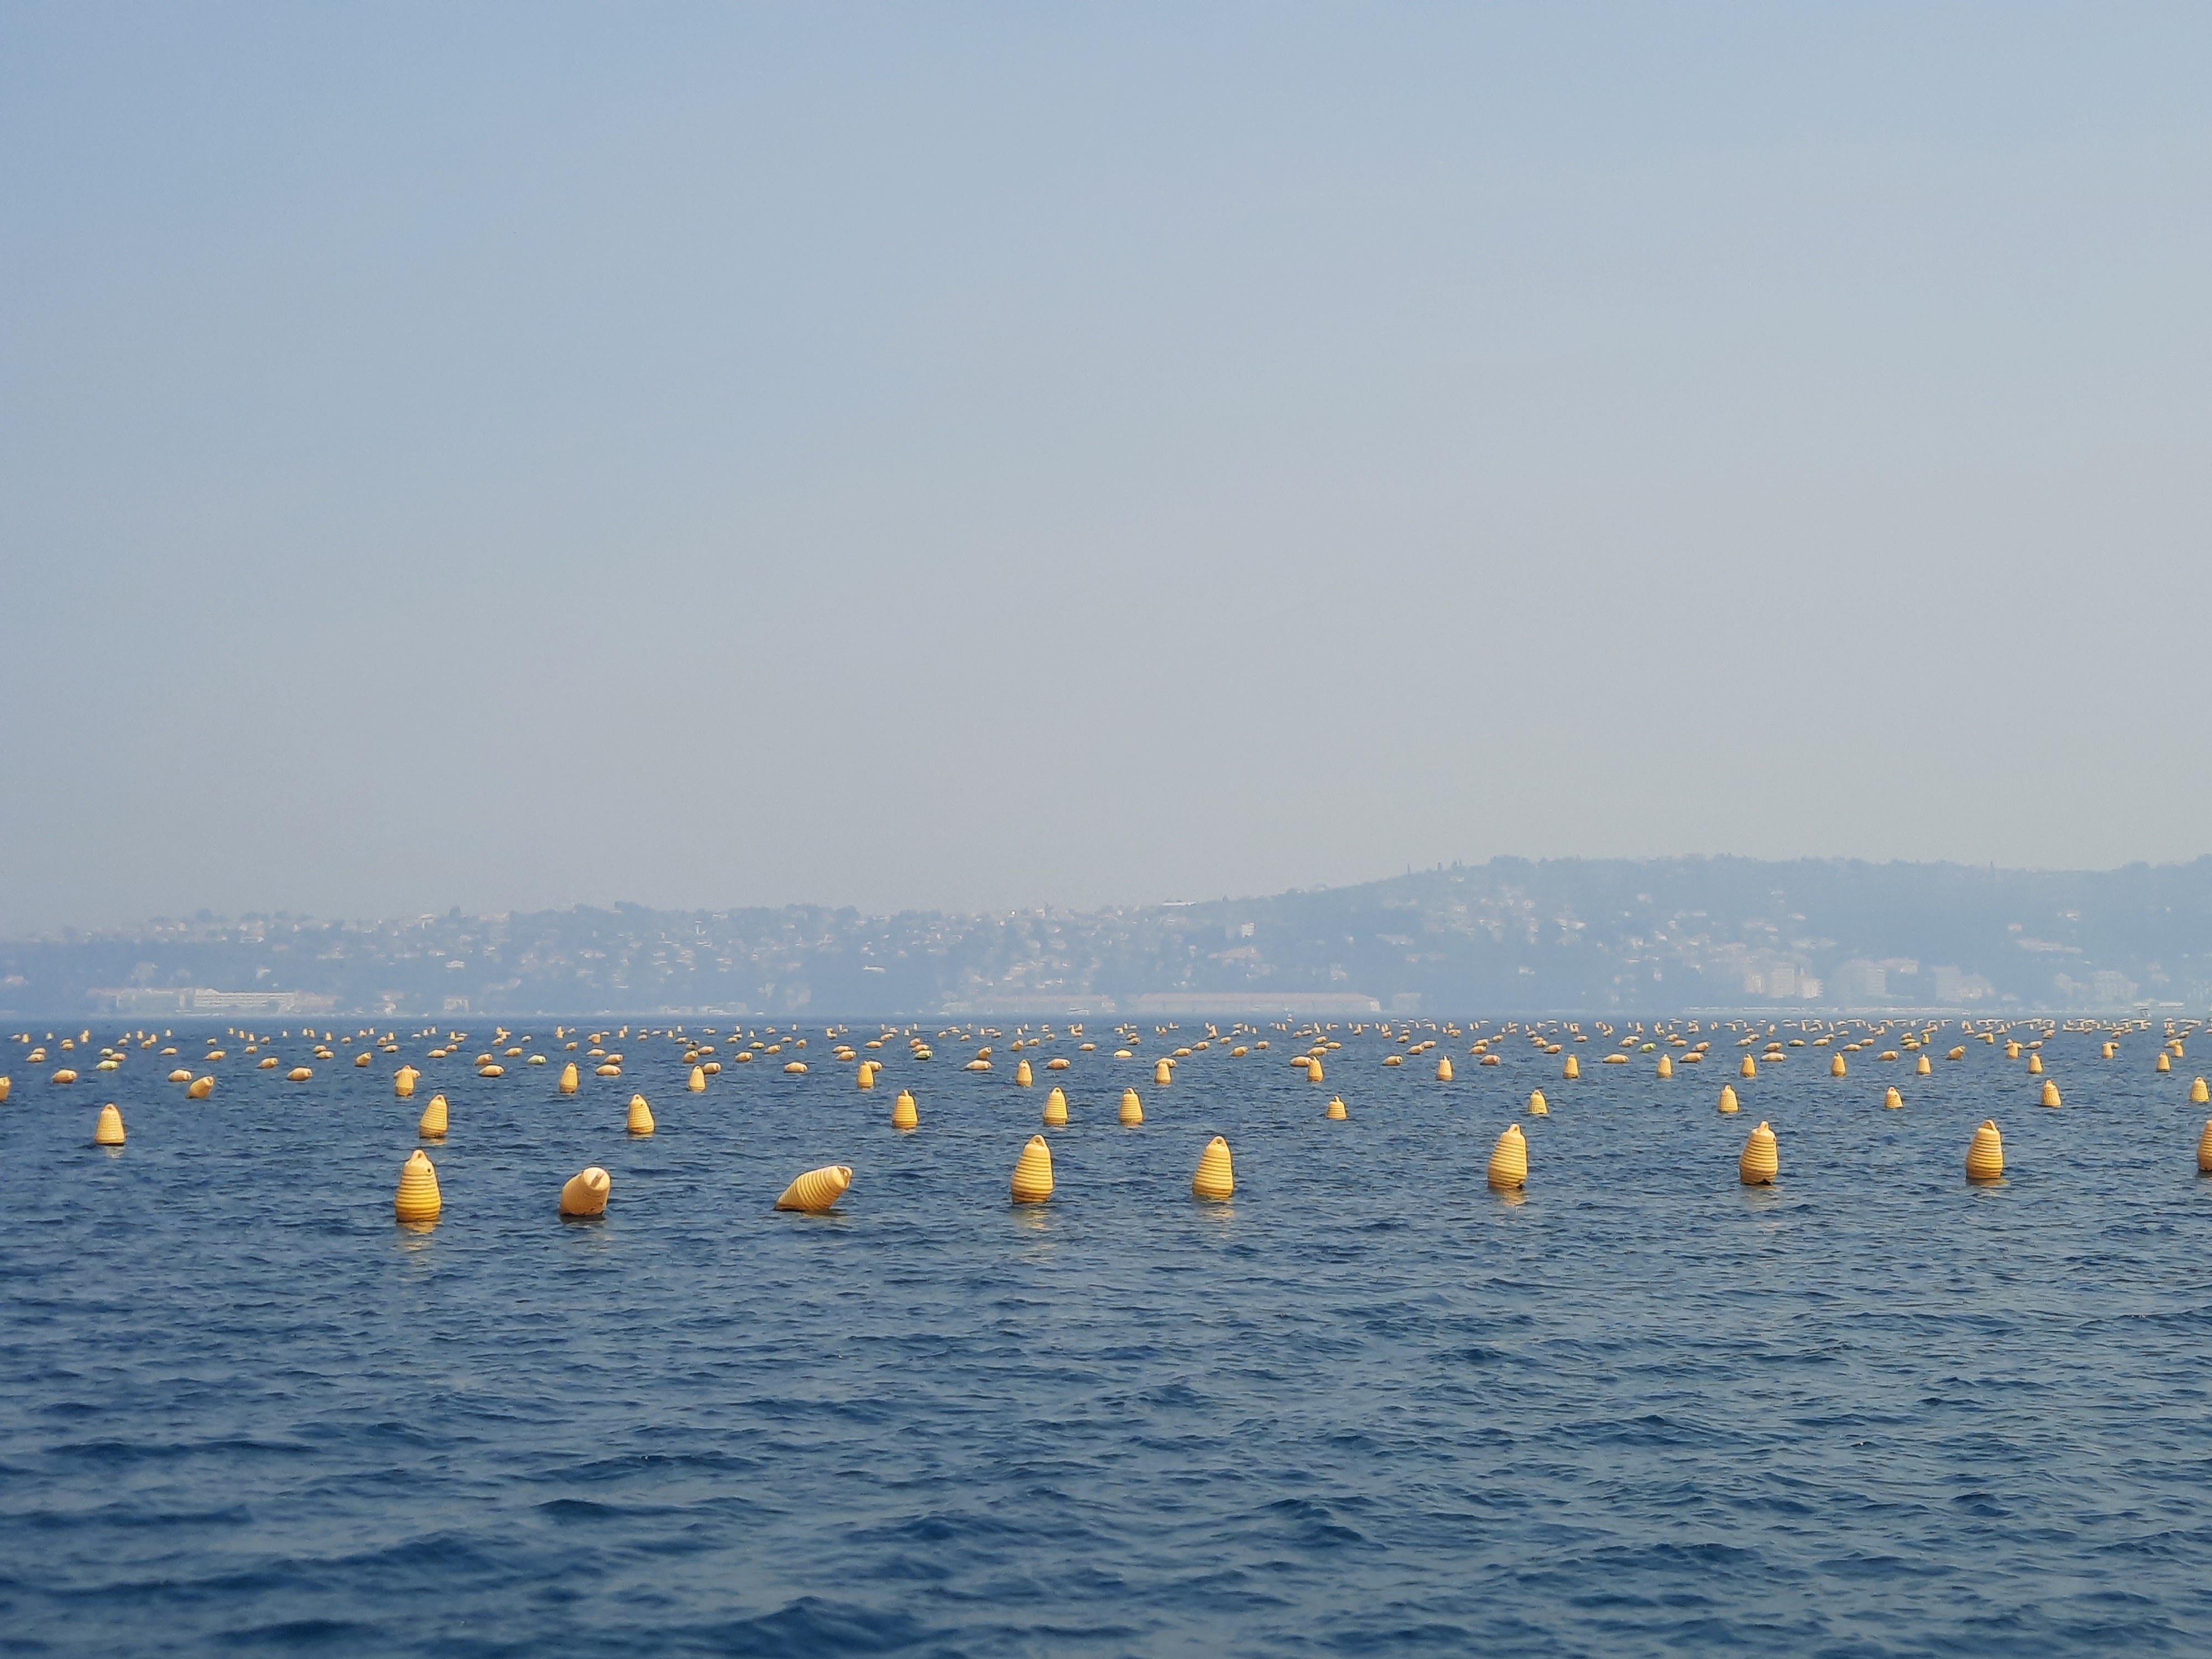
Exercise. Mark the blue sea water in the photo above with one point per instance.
(1366, 1406)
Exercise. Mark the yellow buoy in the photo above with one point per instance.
(865, 1077)
(417, 1199)
(1163, 1072)
(1749, 1068)
(1033, 1172)
(2050, 1093)
(585, 1193)
(1335, 1112)
(1055, 1109)
(403, 1081)
(903, 1113)
(1836, 1067)
(1023, 1077)
(1132, 1109)
(1890, 1099)
(698, 1084)
(2164, 1065)
(1761, 1161)
(361, 1059)
(1537, 1105)
(568, 1085)
(1666, 1067)
(2204, 1149)
(1728, 1097)
(201, 1089)
(1923, 1069)
(2035, 1065)
(108, 1131)
(6, 1083)
(1313, 1070)
(1215, 1177)
(1509, 1160)
(64, 1075)
(180, 1075)
(1444, 1068)
(1571, 1070)
(431, 1125)
(1985, 1157)
(298, 1074)
(2197, 1095)
(817, 1189)
(640, 1117)
(794, 1068)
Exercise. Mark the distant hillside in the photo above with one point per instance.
(1509, 936)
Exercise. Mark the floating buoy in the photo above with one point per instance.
(108, 1131)
(5, 1084)
(865, 1077)
(1444, 1068)
(608, 1069)
(794, 1068)
(1749, 1068)
(2164, 1065)
(1055, 1109)
(1023, 1077)
(2109, 1050)
(1216, 1178)
(1313, 1070)
(2197, 1096)
(1890, 1099)
(2035, 1065)
(200, 1089)
(431, 1125)
(1985, 1157)
(1132, 1109)
(2050, 1093)
(1666, 1067)
(1032, 1181)
(2204, 1149)
(1537, 1106)
(698, 1084)
(1836, 1067)
(180, 1075)
(1922, 1068)
(1571, 1071)
(403, 1081)
(1335, 1112)
(491, 1071)
(640, 1117)
(585, 1193)
(64, 1075)
(1728, 1097)
(417, 1199)
(361, 1059)
(1761, 1161)
(1163, 1072)
(298, 1074)
(1509, 1160)
(817, 1189)
(903, 1114)
(568, 1085)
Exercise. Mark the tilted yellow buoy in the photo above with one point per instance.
(1055, 1109)
(1509, 1160)
(2204, 1149)
(1032, 1181)
(1335, 1112)
(568, 1085)
(201, 1089)
(1761, 1161)
(1132, 1109)
(1728, 1097)
(298, 1074)
(361, 1059)
(403, 1081)
(1892, 1100)
(1537, 1105)
(817, 1189)
(2050, 1093)
(1444, 1068)
(904, 1115)
(431, 1125)
(794, 1068)
(2109, 1050)
(1023, 1077)
(1571, 1071)
(2197, 1095)
(1836, 1067)
(2164, 1065)
(1216, 1178)
(640, 1117)
(585, 1193)
(64, 1075)
(1985, 1157)
(108, 1131)
(417, 1199)
(180, 1075)
(1749, 1068)
(1163, 1073)
(1666, 1067)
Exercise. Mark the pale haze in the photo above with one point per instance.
(964, 457)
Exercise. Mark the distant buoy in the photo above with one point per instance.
(1728, 1097)
(1444, 1068)
(2164, 1065)
(1163, 1072)
(2035, 1065)
(1509, 1160)
(108, 1131)
(794, 1068)
(431, 1125)
(180, 1075)
(2050, 1093)
(817, 1189)
(1216, 1178)
(1890, 1099)
(1571, 1070)
(65, 1076)
(1023, 1077)
(1666, 1067)
(2204, 1149)
(298, 1074)
(640, 1117)
(200, 1089)
(403, 1081)
(1985, 1157)
(417, 1199)
(1836, 1067)
(1749, 1068)
(1132, 1109)
(1055, 1109)
(2197, 1096)
(1537, 1105)
(1761, 1161)
(1032, 1181)
(904, 1115)
(698, 1084)
(568, 1085)
(585, 1193)
(1335, 1112)
(1922, 1068)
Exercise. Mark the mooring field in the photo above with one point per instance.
(1367, 1404)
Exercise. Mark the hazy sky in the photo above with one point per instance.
(960, 456)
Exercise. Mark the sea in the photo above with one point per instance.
(1367, 1405)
